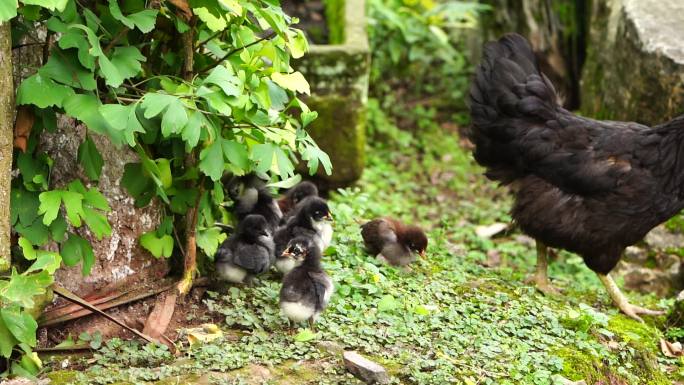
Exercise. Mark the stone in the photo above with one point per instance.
(338, 75)
(634, 69)
(365, 369)
(661, 238)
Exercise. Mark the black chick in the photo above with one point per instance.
(396, 242)
(306, 289)
(588, 186)
(295, 195)
(252, 197)
(286, 261)
(312, 220)
(246, 253)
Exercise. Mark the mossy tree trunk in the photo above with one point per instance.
(6, 138)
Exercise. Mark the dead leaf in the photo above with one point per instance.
(493, 258)
(204, 333)
(490, 230)
(670, 349)
(23, 126)
(160, 317)
(184, 7)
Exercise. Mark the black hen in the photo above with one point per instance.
(588, 186)
(246, 253)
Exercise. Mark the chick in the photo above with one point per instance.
(252, 197)
(312, 220)
(394, 241)
(285, 262)
(306, 289)
(295, 195)
(246, 253)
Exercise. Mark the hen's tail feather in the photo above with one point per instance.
(508, 97)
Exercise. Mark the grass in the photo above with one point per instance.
(449, 320)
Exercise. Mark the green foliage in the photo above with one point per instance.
(196, 99)
(417, 47)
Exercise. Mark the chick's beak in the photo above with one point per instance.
(329, 218)
(422, 253)
(287, 253)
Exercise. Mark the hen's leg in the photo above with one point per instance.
(541, 277)
(622, 302)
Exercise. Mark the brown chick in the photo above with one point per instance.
(397, 242)
(295, 195)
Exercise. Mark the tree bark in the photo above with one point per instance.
(6, 138)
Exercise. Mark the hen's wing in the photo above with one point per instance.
(253, 258)
(519, 128)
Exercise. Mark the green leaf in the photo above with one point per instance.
(77, 249)
(86, 108)
(174, 119)
(155, 103)
(164, 166)
(115, 10)
(52, 5)
(308, 117)
(42, 92)
(22, 288)
(287, 183)
(127, 61)
(7, 340)
(236, 153)
(110, 72)
(262, 154)
(225, 78)
(138, 184)
(74, 38)
(284, 166)
(209, 240)
(27, 248)
(95, 199)
(192, 130)
(293, 82)
(210, 13)
(65, 68)
(90, 158)
(58, 228)
(47, 260)
(211, 160)
(144, 20)
(36, 232)
(22, 326)
(297, 44)
(313, 155)
(23, 206)
(97, 223)
(387, 304)
(73, 203)
(49, 205)
(305, 335)
(8, 10)
(158, 246)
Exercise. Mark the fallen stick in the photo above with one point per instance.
(69, 296)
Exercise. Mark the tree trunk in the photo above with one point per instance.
(6, 138)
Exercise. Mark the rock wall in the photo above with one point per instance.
(635, 61)
(119, 258)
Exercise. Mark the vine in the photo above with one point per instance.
(197, 88)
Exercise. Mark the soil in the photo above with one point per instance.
(312, 21)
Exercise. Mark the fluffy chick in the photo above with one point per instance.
(287, 261)
(295, 195)
(313, 220)
(306, 289)
(396, 242)
(252, 197)
(246, 253)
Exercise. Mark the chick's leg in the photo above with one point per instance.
(622, 302)
(541, 277)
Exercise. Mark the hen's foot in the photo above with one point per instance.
(632, 311)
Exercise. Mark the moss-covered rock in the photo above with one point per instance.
(635, 61)
(338, 76)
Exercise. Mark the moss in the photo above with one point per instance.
(340, 132)
(642, 336)
(62, 377)
(579, 365)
